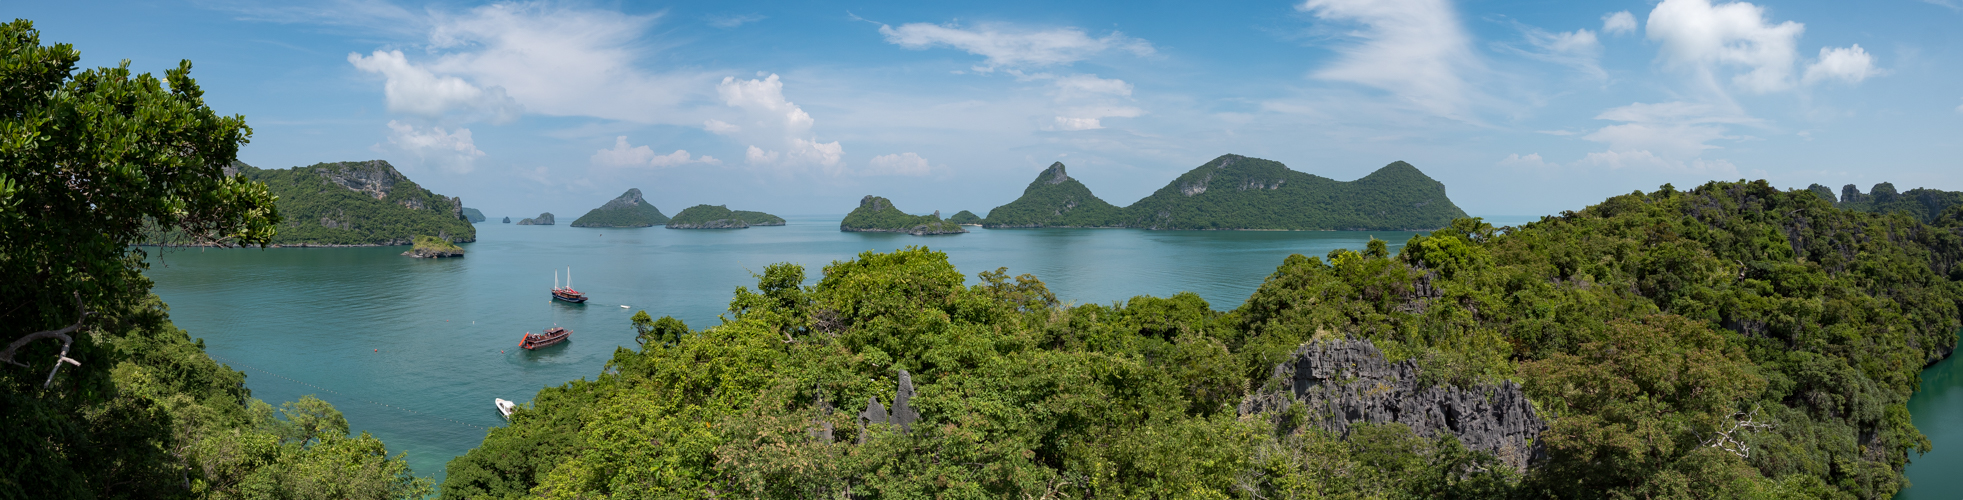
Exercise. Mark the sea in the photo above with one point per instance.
(415, 351)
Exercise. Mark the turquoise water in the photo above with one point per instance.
(1938, 411)
(414, 350)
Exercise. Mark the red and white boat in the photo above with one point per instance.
(566, 293)
(551, 336)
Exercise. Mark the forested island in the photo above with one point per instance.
(627, 210)
(721, 217)
(543, 219)
(473, 215)
(877, 215)
(1237, 192)
(1733, 340)
(365, 203)
(965, 218)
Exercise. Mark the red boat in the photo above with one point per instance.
(566, 293)
(551, 336)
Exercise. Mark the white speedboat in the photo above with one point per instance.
(506, 407)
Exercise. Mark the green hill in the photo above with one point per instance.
(965, 218)
(877, 215)
(1237, 192)
(473, 215)
(721, 217)
(1922, 203)
(1055, 200)
(628, 210)
(358, 203)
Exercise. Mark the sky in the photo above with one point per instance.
(1518, 107)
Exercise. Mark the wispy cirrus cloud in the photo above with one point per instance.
(1003, 45)
(1415, 49)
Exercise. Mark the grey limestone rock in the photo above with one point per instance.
(874, 414)
(1348, 381)
(903, 412)
(1056, 174)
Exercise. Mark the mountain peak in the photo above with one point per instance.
(1055, 174)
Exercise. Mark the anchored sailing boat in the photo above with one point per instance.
(551, 336)
(566, 293)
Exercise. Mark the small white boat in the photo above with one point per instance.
(506, 407)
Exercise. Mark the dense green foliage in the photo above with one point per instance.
(89, 163)
(965, 217)
(1237, 192)
(473, 215)
(1645, 328)
(720, 216)
(321, 211)
(628, 210)
(427, 245)
(878, 214)
(1922, 203)
(1055, 200)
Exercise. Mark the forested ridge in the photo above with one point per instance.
(627, 210)
(707, 216)
(100, 396)
(1922, 203)
(1733, 340)
(1237, 192)
(877, 214)
(357, 203)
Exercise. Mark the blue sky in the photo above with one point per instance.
(802, 107)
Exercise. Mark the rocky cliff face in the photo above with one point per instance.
(1343, 382)
(544, 219)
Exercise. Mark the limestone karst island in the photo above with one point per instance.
(1308, 249)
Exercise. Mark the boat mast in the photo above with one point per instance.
(569, 277)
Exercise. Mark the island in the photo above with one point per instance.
(1235, 192)
(627, 210)
(434, 247)
(473, 215)
(355, 203)
(877, 215)
(1055, 200)
(721, 217)
(544, 219)
(507, 220)
(965, 218)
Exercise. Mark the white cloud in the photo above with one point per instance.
(1578, 49)
(455, 152)
(1530, 161)
(1075, 86)
(1702, 38)
(1851, 65)
(1618, 23)
(1005, 45)
(765, 100)
(415, 90)
(1675, 130)
(626, 155)
(1085, 100)
(1616, 160)
(720, 127)
(562, 59)
(898, 164)
(801, 153)
(733, 20)
(1414, 49)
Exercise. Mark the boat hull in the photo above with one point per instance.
(549, 338)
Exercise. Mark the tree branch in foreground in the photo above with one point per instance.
(61, 334)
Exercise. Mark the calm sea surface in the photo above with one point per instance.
(414, 350)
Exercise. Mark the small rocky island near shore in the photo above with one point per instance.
(544, 219)
(877, 215)
(434, 247)
(627, 210)
(721, 217)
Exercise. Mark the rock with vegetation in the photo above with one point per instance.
(434, 247)
(101, 396)
(627, 210)
(877, 215)
(1923, 203)
(1733, 340)
(721, 217)
(965, 218)
(473, 215)
(1237, 192)
(543, 219)
(1055, 200)
(355, 203)
(507, 220)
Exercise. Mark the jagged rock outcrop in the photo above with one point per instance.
(544, 219)
(1347, 381)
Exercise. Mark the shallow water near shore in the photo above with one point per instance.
(415, 350)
